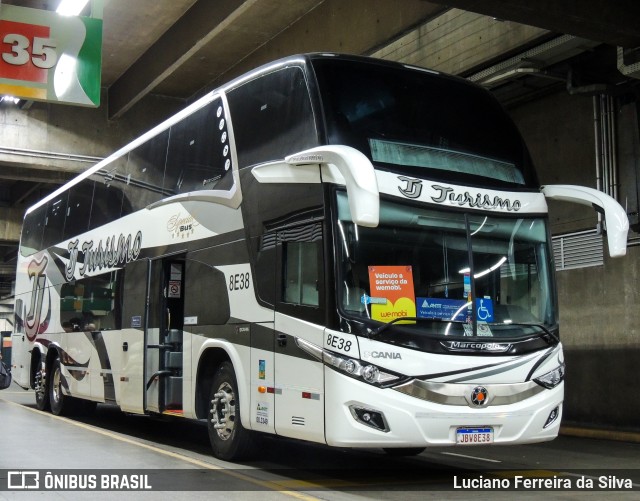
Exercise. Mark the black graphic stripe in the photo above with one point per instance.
(97, 340)
(539, 363)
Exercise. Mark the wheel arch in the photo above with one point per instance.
(209, 360)
(34, 365)
(53, 352)
(39, 353)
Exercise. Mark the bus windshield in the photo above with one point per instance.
(456, 274)
(422, 124)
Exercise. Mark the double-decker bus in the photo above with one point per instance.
(330, 248)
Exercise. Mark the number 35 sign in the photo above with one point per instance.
(48, 57)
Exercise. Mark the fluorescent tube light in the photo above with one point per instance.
(71, 7)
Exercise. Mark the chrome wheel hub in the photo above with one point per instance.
(39, 384)
(223, 411)
(55, 386)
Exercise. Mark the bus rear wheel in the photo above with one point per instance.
(41, 388)
(229, 439)
(60, 403)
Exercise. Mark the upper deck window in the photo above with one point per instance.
(199, 156)
(422, 124)
(272, 117)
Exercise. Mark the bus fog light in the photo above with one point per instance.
(552, 417)
(369, 417)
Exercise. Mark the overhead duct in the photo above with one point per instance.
(629, 62)
(533, 61)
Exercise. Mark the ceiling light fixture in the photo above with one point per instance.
(9, 99)
(71, 7)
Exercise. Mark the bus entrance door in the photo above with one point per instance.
(164, 343)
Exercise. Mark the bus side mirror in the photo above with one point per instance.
(616, 220)
(348, 166)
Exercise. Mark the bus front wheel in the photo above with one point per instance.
(229, 439)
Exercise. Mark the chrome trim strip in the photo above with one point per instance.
(310, 348)
(460, 394)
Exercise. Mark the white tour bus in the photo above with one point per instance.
(331, 248)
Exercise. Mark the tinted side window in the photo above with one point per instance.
(78, 209)
(199, 156)
(301, 272)
(91, 304)
(265, 265)
(54, 221)
(144, 172)
(32, 230)
(108, 194)
(206, 293)
(272, 117)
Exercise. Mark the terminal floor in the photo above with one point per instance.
(110, 440)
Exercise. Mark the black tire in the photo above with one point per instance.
(230, 441)
(60, 403)
(42, 389)
(404, 451)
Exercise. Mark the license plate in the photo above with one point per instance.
(474, 436)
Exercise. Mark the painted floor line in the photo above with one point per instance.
(471, 457)
(196, 462)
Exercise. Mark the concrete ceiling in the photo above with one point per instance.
(180, 47)
(612, 22)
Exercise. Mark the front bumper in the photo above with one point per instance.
(412, 421)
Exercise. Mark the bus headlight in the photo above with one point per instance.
(368, 373)
(352, 367)
(551, 379)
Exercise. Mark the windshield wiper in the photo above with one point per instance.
(549, 334)
(378, 330)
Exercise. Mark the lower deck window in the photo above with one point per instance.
(90, 304)
(301, 273)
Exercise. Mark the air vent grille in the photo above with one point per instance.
(578, 250)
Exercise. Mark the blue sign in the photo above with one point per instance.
(442, 309)
(364, 299)
(454, 309)
(484, 310)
